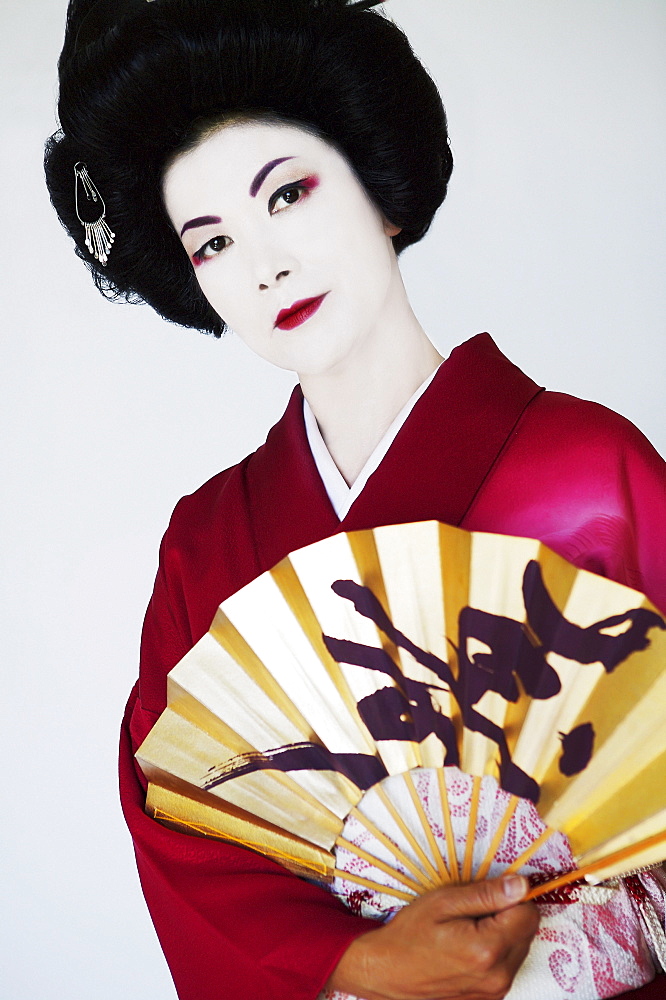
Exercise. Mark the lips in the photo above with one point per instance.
(298, 313)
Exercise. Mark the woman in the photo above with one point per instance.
(262, 164)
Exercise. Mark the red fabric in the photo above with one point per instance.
(656, 990)
(484, 448)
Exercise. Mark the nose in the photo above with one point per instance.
(271, 260)
(278, 277)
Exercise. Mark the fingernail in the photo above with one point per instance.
(515, 887)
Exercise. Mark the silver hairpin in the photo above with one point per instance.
(99, 237)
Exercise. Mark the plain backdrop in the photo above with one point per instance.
(552, 238)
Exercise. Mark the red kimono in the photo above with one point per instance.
(484, 448)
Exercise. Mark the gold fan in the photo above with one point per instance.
(337, 699)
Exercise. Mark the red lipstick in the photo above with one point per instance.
(299, 312)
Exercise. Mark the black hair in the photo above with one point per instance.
(142, 81)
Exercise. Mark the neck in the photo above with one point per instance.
(356, 402)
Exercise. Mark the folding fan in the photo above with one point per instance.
(386, 711)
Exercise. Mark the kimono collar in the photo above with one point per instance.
(433, 469)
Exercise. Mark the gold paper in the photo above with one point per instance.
(189, 815)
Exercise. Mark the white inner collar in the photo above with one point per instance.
(339, 493)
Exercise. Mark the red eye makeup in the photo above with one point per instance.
(305, 185)
(199, 257)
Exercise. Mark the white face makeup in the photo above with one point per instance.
(286, 245)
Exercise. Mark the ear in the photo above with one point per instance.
(390, 229)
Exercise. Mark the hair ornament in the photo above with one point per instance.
(99, 237)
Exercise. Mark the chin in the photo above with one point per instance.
(309, 359)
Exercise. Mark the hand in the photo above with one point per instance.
(460, 941)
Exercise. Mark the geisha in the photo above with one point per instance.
(261, 165)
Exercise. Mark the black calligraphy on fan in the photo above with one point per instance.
(514, 653)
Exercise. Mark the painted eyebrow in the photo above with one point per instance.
(202, 220)
(263, 174)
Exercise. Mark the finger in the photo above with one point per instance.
(515, 925)
(522, 919)
(478, 899)
(517, 954)
(491, 965)
(507, 936)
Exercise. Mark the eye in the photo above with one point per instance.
(287, 195)
(211, 249)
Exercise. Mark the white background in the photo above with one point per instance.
(552, 238)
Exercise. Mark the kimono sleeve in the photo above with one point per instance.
(233, 925)
(589, 485)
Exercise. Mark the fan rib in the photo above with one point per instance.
(497, 839)
(367, 883)
(554, 883)
(444, 873)
(393, 848)
(383, 866)
(411, 839)
(448, 826)
(529, 852)
(471, 830)
(295, 862)
(620, 856)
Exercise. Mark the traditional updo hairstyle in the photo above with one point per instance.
(142, 80)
